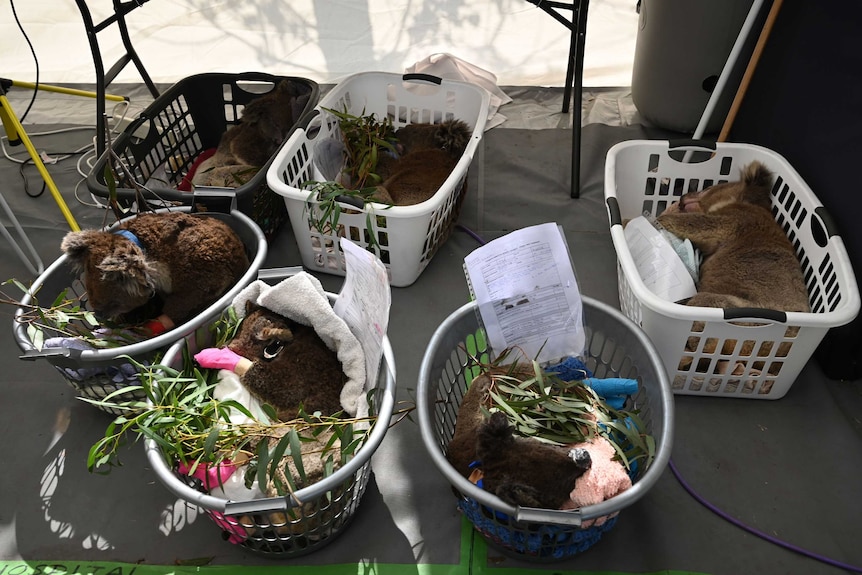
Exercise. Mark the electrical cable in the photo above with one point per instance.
(756, 532)
(35, 59)
(714, 509)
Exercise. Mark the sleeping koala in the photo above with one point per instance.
(748, 260)
(181, 261)
(519, 470)
(427, 155)
(247, 146)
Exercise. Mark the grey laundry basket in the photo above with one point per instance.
(285, 527)
(615, 347)
(97, 373)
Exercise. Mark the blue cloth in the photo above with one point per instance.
(570, 369)
(129, 236)
(614, 390)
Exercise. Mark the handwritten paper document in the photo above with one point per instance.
(364, 302)
(525, 288)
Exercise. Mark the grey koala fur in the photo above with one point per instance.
(187, 261)
(248, 145)
(747, 259)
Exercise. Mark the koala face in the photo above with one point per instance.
(753, 189)
(291, 365)
(116, 274)
(264, 335)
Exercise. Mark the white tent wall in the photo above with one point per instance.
(323, 40)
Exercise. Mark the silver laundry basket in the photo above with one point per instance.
(615, 347)
(281, 527)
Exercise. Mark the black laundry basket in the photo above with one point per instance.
(163, 142)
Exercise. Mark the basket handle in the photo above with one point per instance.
(690, 144)
(530, 514)
(34, 354)
(305, 119)
(352, 201)
(258, 77)
(755, 313)
(614, 211)
(213, 200)
(416, 77)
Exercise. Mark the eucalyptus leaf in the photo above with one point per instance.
(296, 454)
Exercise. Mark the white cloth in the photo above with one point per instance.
(302, 299)
(229, 387)
(451, 67)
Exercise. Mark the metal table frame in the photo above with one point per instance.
(103, 79)
(577, 24)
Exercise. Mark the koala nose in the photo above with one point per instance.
(581, 457)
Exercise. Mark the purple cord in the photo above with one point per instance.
(756, 532)
(471, 233)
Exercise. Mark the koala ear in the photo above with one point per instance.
(77, 245)
(128, 268)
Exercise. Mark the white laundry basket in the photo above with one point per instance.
(406, 237)
(646, 177)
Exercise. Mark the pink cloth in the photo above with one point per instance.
(217, 358)
(213, 477)
(605, 478)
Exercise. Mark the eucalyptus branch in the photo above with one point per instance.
(191, 427)
(543, 406)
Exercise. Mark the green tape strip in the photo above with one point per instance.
(473, 561)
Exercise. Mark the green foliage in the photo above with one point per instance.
(66, 316)
(545, 407)
(180, 414)
(324, 205)
(363, 136)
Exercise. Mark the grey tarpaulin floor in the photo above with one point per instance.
(789, 468)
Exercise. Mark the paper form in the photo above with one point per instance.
(527, 294)
(363, 303)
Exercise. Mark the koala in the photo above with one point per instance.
(526, 472)
(520, 471)
(247, 146)
(426, 155)
(291, 365)
(748, 261)
(182, 261)
(461, 451)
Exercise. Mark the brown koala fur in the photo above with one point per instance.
(247, 146)
(748, 261)
(187, 261)
(291, 365)
(520, 471)
(427, 154)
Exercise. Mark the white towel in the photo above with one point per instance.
(451, 67)
(302, 299)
